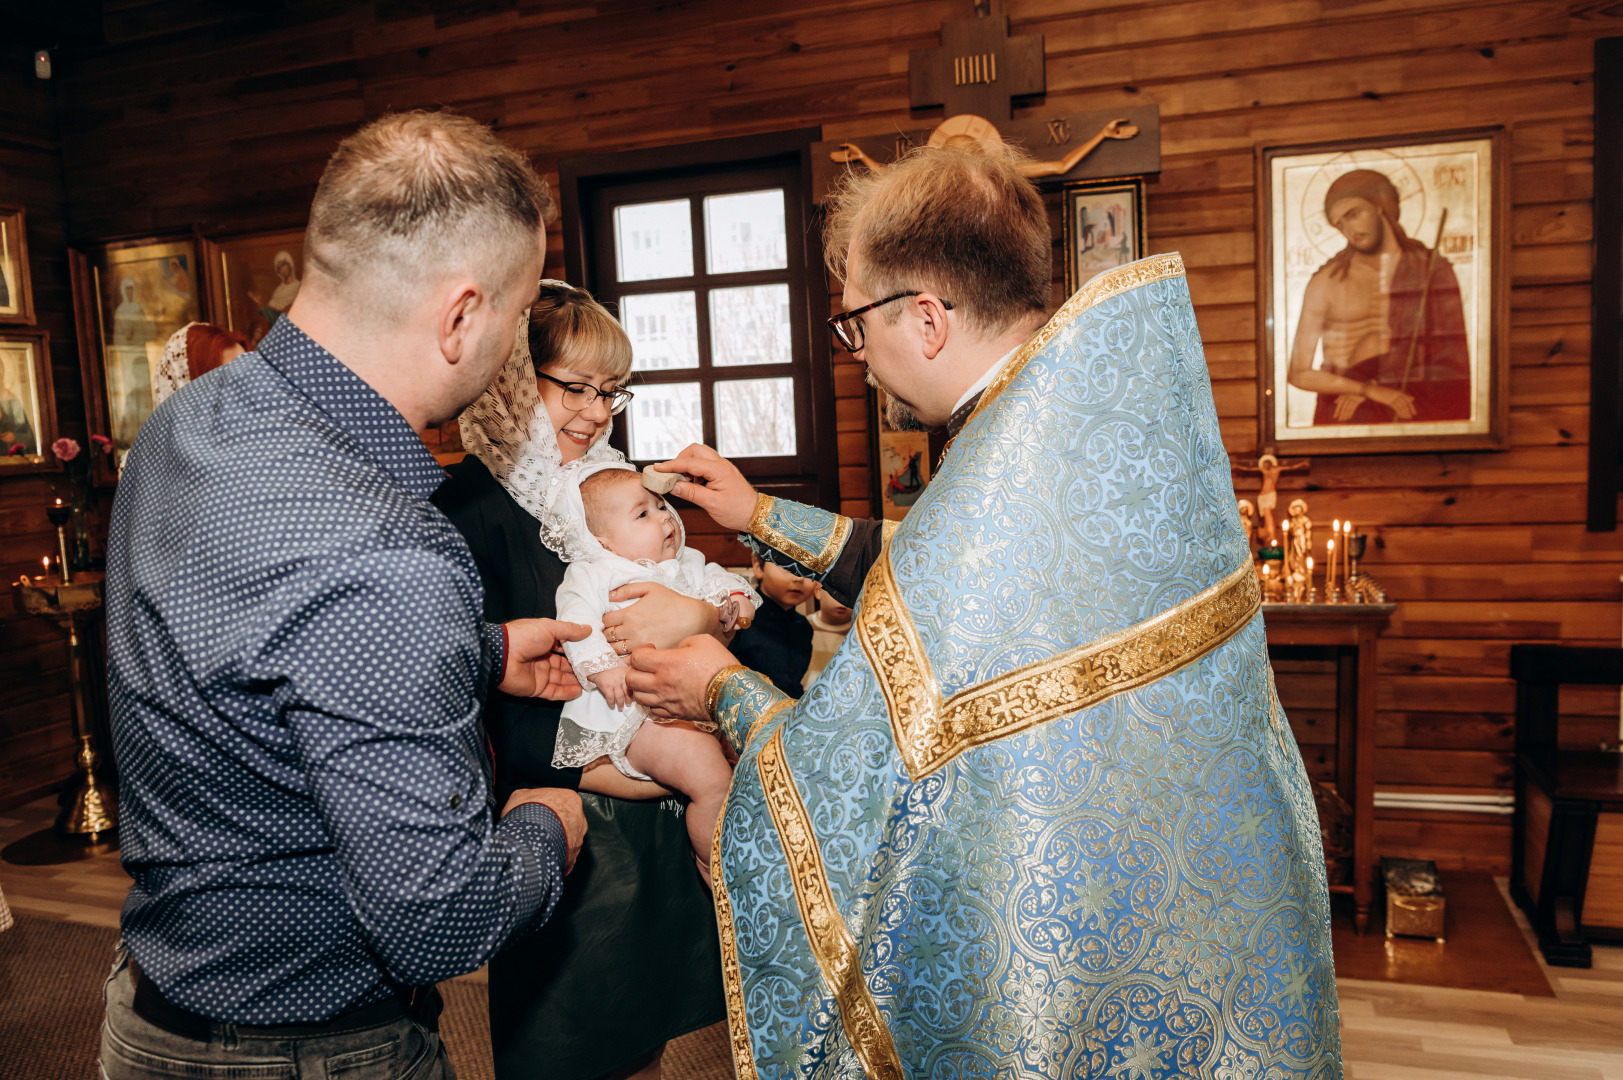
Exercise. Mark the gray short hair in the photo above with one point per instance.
(414, 194)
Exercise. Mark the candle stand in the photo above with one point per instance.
(74, 605)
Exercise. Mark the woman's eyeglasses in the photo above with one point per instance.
(579, 395)
(847, 326)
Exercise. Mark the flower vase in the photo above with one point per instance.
(81, 538)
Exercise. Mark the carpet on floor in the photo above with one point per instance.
(51, 977)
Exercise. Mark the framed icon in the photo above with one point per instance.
(129, 297)
(1383, 294)
(27, 401)
(16, 288)
(1104, 227)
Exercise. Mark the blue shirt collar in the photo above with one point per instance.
(360, 411)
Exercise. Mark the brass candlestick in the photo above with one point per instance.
(59, 515)
(93, 809)
(1361, 587)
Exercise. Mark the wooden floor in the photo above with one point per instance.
(1390, 1030)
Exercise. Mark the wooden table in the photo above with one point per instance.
(1345, 633)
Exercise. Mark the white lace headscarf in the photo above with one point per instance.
(509, 430)
(173, 370)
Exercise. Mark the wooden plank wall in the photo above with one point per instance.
(225, 126)
(35, 724)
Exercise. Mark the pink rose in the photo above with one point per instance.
(65, 449)
(102, 443)
(16, 448)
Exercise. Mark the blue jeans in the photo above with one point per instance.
(134, 1049)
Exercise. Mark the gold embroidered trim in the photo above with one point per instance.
(831, 943)
(930, 732)
(732, 980)
(766, 718)
(718, 686)
(1108, 284)
(818, 562)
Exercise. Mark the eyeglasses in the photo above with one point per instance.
(580, 395)
(847, 326)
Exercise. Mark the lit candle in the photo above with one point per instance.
(1330, 564)
(1346, 551)
(45, 560)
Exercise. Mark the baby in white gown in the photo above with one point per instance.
(640, 538)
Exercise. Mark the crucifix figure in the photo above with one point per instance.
(961, 129)
(1268, 498)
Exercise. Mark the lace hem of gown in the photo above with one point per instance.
(577, 746)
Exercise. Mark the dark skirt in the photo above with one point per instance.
(628, 961)
(630, 957)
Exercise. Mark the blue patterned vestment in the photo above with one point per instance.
(1041, 816)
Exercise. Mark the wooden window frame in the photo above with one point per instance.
(587, 186)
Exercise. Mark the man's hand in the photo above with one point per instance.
(612, 685)
(564, 803)
(1401, 404)
(672, 683)
(721, 491)
(1346, 405)
(536, 665)
(661, 618)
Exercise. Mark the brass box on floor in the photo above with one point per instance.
(1414, 898)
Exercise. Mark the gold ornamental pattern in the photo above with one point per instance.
(766, 718)
(831, 943)
(1099, 289)
(818, 562)
(930, 732)
(732, 979)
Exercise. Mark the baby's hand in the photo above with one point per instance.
(736, 613)
(612, 684)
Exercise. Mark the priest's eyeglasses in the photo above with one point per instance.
(580, 395)
(847, 326)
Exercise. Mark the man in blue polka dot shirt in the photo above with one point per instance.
(297, 657)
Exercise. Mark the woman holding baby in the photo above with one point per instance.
(629, 958)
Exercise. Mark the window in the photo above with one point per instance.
(709, 269)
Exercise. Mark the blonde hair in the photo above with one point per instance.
(959, 220)
(594, 492)
(413, 195)
(574, 331)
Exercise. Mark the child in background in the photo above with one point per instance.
(635, 536)
(778, 643)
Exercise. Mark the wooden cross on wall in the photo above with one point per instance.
(977, 69)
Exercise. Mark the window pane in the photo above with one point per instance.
(750, 326)
(654, 240)
(665, 419)
(755, 417)
(745, 232)
(663, 328)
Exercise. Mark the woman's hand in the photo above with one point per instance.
(660, 617)
(672, 683)
(722, 492)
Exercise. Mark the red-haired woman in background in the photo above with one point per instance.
(193, 351)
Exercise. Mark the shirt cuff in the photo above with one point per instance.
(538, 833)
(495, 642)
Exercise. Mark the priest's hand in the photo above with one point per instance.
(672, 683)
(535, 664)
(720, 489)
(563, 802)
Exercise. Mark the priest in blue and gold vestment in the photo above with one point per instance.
(1041, 815)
